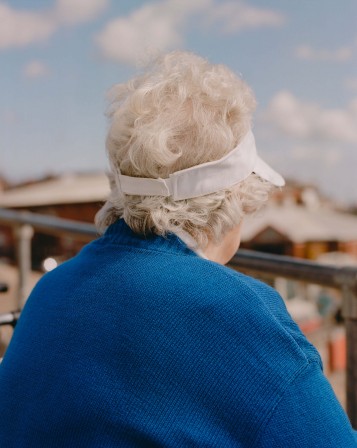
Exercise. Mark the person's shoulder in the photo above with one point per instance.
(229, 281)
(241, 298)
(206, 282)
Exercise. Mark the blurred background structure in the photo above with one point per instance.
(59, 57)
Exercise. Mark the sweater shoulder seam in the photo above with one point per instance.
(269, 416)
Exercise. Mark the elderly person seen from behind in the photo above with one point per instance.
(145, 339)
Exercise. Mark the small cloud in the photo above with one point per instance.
(156, 26)
(237, 16)
(307, 120)
(160, 25)
(290, 115)
(78, 11)
(20, 28)
(308, 53)
(36, 69)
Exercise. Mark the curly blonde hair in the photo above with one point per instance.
(183, 111)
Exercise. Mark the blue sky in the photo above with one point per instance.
(58, 58)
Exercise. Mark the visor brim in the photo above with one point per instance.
(266, 172)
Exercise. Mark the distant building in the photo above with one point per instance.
(300, 231)
(72, 196)
(300, 222)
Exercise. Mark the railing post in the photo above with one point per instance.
(23, 234)
(350, 315)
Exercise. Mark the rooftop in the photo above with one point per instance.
(67, 189)
(298, 223)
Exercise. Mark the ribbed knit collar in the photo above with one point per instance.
(120, 233)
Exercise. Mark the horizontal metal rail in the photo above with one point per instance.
(296, 269)
(9, 318)
(342, 278)
(49, 224)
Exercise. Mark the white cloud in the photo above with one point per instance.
(160, 25)
(289, 115)
(36, 69)
(307, 120)
(78, 11)
(236, 16)
(20, 28)
(124, 39)
(341, 54)
(156, 26)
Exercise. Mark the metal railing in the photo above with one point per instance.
(342, 278)
(24, 225)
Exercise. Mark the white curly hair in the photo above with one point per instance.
(183, 111)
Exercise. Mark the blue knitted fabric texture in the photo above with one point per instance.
(138, 342)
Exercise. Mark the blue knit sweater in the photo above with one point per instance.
(141, 343)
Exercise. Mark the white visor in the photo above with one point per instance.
(208, 177)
